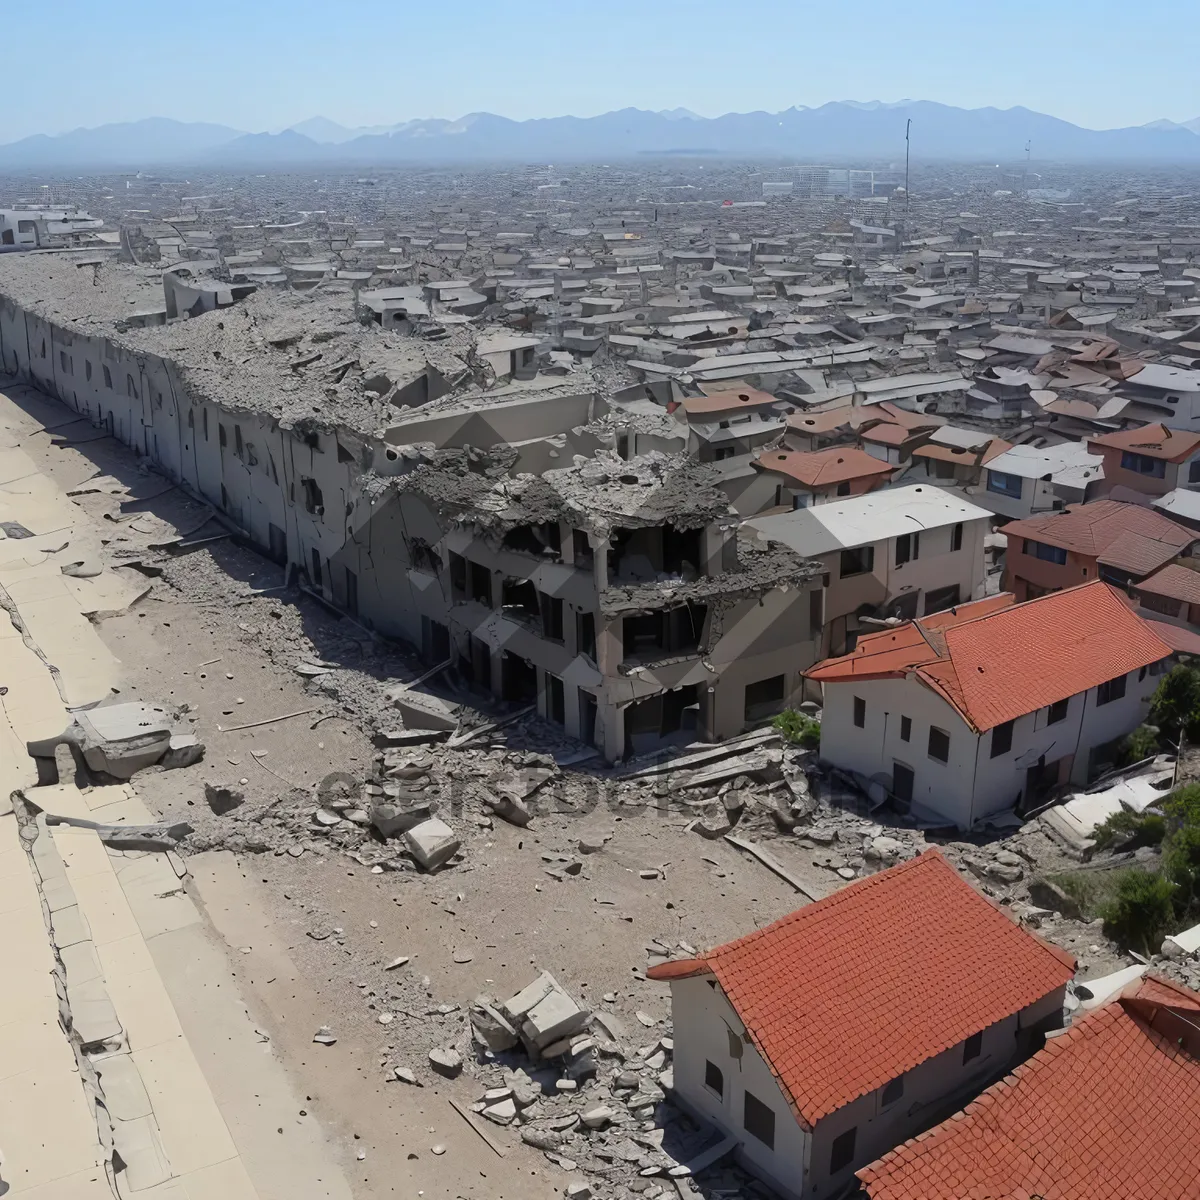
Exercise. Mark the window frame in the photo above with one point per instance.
(1002, 738)
(956, 538)
(865, 555)
(972, 1047)
(1111, 690)
(933, 729)
(842, 1151)
(912, 548)
(1065, 704)
(905, 728)
(860, 713)
(710, 1069)
(1005, 489)
(755, 1111)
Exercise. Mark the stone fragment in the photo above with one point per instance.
(432, 843)
(446, 1061)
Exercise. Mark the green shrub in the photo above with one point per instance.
(797, 727)
(1175, 708)
(1181, 865)
(1128, 830)
(1142, 911)
(1183, 807)
(1141, 743)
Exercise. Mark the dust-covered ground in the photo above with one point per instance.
(609, 875)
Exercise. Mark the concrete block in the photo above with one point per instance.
(432, 843)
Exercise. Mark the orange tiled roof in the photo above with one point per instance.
(1154, 441)
(1091, 529)
(823, 468)
(1069, 641)
(1109, 1110)
(1174, 581)
(845, 994)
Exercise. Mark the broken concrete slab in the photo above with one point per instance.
(121, 739)
(223, 797)
(432, 843)
(545, 1014)
(390, 819)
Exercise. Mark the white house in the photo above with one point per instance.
(988, 707)
(1028, 480)
(820, 1042)
(903, 552)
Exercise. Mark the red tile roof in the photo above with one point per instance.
(1109, 1110)
(823, 468)
(1176, 581)
(1154, 441)
(1069, 642)
(845, 994)
(1130, 537)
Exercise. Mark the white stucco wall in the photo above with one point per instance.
(972, 784)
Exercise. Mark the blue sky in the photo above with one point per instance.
(264, 64)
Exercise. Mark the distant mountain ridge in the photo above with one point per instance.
(839, 130)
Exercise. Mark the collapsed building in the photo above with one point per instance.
(551, 549)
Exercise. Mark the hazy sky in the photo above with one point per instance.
(265, 64)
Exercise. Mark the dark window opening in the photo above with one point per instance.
(1002, 739)
(1005, 485)
(316, 568)
(435, 640)
(939, 744)
(956, 535)
(238, 446)
(764, 698)
(552, 617)
(543, 540)
(941, 599)
(344, 455)
(556, 703)
(842, 1154)
(858, 561)
(587, 718)
(108, 377)
(519, 599)
(903, 780)
(481, 584)
(816, 610)
(661, 716)
(458, 576)
(1051, 554)
(518, 678)
(893, 1090)
(972, 1047)
(843, 489)
(1110, 690)
(657, 550)
(424, 557)
(1143, 464)
(655, 635)
(860, 713)
(759, 1120)
(585, 634)
(222, 436)
(1057, 711)
(276, 543)
(908, 548)
(314, 501)
(130, 390)
(714, 1079)
(312, 440)
(906, 729)
(582, 547)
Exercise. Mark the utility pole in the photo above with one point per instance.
(1025, 177)
(907, 193)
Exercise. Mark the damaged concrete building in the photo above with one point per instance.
(549, 547)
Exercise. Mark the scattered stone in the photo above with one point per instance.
(579, 1191)
(446, 1061)
(223, 798)
(598, 1117)
(396, 962)
(325, 1036)
(504, 1112)
(646, 1019)
(541, 1139)
(407, 1075)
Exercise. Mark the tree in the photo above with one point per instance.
(1142, 743)
(1175, 708)
(1142, 910)
(797, 727)
(1127, 830)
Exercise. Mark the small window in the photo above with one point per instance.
(956, 537)
(939, 744)
(1002, 739)
(842, 1154)
(860, 712)
(1110, 690)
(1194, 471)
(816, 610)
(759, 1120)
(764, 698)
(1143, 464)
(859, 561)
(552, 617)
(908, 547)
(556, 703)
(892, 1091)
(1051, 554)
(843, 489)
(87, 370)
(941, 599)
(906, 729)
(1057, 711)
(972, 1047)
(107, 376)
(714, 1080)
(1004, 485)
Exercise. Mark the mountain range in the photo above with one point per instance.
(839, 130)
